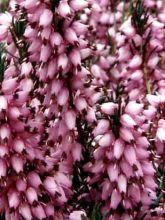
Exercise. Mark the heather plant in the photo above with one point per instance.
(82, 127)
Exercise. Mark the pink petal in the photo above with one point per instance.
(135, 62)
(34, 179)
(81, 104)
(115, 199)
(78, 5)
(106, 140)
(21, 185)
(64, 9)
(77, 215)
(63, 97)
(118, 148)
(122, 183)
(55, 39)
(3, 150)
(3, 170)
(134, 193)
(46, 18)
(13, 199)
(25, 211)
(113, 172)
(108, 108)
(18, 145)
(127, 121)
(126, 134)
(9, 85)
(31, 195)
(134, 108)
(70, 36)
(76, 152)
(17, 163)
(62, 62)
(50, 185)
(70, 119)
(45, 53)
(130, 155)
(101, 128)
(3, 103)
(39, 212)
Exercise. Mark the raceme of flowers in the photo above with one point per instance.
(82, 110)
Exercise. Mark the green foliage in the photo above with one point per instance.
(17, 30)
(96, 213)
(161, 188)
(20, 25)
(3, 62)
(139, 17)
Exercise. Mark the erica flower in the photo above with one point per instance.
(82, 109)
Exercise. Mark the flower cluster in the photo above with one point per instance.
(82, 103)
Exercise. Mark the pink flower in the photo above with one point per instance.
(3, 170)
(70, 119)
(115, 199)
(106, 140)
(76, 215)
(81, 108)
(135, 62)
(17, 163)
(122, 183)
(108, 108)
(113, 172)
(31, 195)
(13, 199)
(3, 103)
(25, 211)
(46, 18)
(127, 121)
(71, 36)
(119, 147)
(77, 5)
(64, 9)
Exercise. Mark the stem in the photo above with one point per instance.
(115, 23)
(147, 81)
(124, 8)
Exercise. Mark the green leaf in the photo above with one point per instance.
(105, 215)
(17, 31)
(20, 25)
(3, 61)
(96, 213)
(139, 17)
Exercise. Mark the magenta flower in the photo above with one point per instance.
(82, 127)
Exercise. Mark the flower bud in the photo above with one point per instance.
(46, 18)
